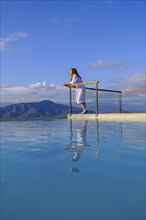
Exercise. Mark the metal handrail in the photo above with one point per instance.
(104, 90)
(80, 84)
(109, 90)
(134, 90)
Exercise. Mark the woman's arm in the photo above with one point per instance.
(66, 84)
(74, 79)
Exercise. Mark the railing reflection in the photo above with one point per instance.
(79, 144)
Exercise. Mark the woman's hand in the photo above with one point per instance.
(66, 84)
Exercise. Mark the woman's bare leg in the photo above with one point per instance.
(83, 105)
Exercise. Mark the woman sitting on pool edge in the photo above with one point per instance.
(80, 90)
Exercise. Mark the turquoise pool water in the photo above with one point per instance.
(60, 169)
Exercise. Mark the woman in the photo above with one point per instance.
(80, 90)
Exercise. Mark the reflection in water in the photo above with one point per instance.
(110, 187)
(79, 144)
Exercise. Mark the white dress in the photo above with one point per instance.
(80, 90)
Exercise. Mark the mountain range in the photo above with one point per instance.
(46, 110)
(35, 111)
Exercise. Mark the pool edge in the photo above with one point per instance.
(141, 117)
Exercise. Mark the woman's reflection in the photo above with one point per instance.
(78, 143)
(78, 146)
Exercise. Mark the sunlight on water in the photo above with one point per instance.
(64, 169)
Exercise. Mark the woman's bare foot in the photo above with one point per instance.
(84, 111)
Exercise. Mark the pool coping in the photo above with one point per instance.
(141, 117)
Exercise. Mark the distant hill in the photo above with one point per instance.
(35, 111)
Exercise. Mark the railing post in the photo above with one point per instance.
(120, 102)
(70, 101)
(96, 98)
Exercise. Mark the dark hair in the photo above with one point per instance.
(75, 72)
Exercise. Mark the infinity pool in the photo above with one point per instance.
(66, 170)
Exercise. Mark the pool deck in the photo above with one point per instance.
(139, 117)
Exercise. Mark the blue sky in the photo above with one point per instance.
(42, 40)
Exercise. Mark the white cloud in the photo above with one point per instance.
(39, 91)
(131, 100)
(110, 64)
(34, 92)
(4, 86)
(134, 81)
(41, 85)
(4, 42)
(3, 45)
